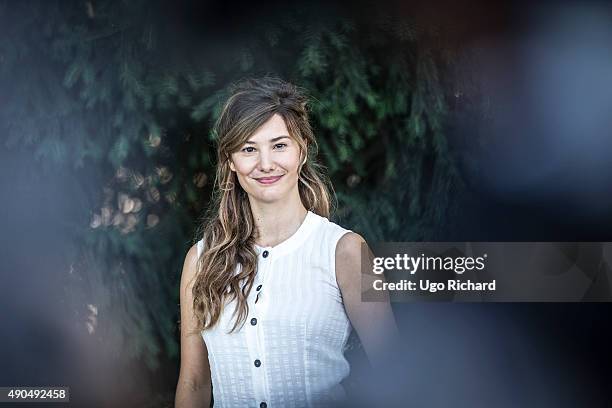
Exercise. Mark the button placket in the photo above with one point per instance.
(262, 307)
(254, 332)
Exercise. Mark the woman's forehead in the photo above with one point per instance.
(272, 128)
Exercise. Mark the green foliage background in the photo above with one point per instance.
(127, 98)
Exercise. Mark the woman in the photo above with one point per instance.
(273, 287)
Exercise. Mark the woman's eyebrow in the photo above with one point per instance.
(273, 140)
(276, 139)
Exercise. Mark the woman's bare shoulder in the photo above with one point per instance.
(350, 245)
(189, 266)
(348, 258)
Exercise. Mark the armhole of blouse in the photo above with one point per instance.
(337, 237)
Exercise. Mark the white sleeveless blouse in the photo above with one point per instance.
(289, 352)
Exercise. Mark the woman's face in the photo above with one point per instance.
(267, 164)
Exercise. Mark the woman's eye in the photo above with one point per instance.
(280, 145)
(248, 149)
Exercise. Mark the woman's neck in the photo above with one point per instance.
(278, 221)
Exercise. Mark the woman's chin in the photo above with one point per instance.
(270, 197)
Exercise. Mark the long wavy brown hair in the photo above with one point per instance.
(229, 230)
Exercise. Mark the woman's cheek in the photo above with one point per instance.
(246, 167)
(292, 163)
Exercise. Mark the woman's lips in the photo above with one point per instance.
(268, 180)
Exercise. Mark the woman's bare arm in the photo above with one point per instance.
(375, 325)
(373, 321)
(194, 384)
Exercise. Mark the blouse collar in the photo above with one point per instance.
(295, 240)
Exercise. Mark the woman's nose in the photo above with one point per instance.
(265, 162)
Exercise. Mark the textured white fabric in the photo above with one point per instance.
(300, 332)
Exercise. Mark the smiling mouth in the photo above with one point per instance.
(268, 180)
